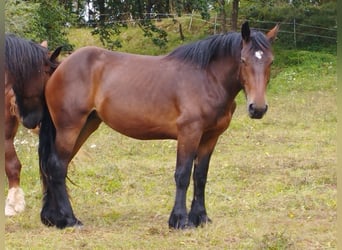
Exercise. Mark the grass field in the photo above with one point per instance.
(271, 184)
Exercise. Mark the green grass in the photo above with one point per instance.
(271, 184)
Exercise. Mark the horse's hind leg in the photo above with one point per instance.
(198, 214)
(15, 202)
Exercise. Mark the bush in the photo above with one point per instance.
(38, 21)
(315, 24)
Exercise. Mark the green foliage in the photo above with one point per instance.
(110, 18)
(299, 18)
(21, 18)
(44, 19)
(200, 6)
(106, 32)
(53, 19)
(157, 35)
(37, 20)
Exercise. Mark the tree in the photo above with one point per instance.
(37, 20)
(19, 19)
(111, 20)
(235, 11)
(113, 14)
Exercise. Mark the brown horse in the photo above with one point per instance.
(187, 95)
(27, 65)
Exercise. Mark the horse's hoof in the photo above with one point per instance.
(178, 221)
(68, 222)
(78, 224)
(60, 222)
(15, 202)
(198, 219)
(64, 223)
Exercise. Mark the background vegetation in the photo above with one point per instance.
(312, 23)
(271, 184)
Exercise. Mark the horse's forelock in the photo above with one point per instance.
(259, 41)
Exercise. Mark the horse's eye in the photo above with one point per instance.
(243, 60)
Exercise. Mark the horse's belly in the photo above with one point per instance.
(140, 125)
(144, 131)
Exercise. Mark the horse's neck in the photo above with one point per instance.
(226, 71)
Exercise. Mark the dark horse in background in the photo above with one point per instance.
(28, 66)
(187, 95)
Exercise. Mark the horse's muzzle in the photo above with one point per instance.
(31, 121)
(257, 112)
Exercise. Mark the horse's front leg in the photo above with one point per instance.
(179, 217)
(186, 152)
(15, 202)
(198, 213)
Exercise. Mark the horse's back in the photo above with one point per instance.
(129, 92)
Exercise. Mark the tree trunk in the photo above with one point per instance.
(223, 15)
(171, 6)
(102, 10)
(235, 11)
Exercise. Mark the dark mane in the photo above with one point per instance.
(204, 51)
(23, 59)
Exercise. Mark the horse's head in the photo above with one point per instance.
(256, 60)
(30, 93)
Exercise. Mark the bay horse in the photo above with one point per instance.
(187, 95)
(28, 65)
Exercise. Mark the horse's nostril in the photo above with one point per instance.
(251, 107)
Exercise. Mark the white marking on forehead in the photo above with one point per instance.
(258, 54)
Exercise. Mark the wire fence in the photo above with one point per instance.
(292, 30)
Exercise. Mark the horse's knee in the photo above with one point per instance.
(182, 178)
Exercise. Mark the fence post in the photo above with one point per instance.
(215, 23)
(191, 20)
(294, 32)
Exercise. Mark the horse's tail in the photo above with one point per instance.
(46, 148)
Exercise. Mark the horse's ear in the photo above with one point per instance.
(272, 34)
(245, 32)
(44, 44)
(55, 54)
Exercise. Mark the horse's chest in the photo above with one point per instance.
(221, 116)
